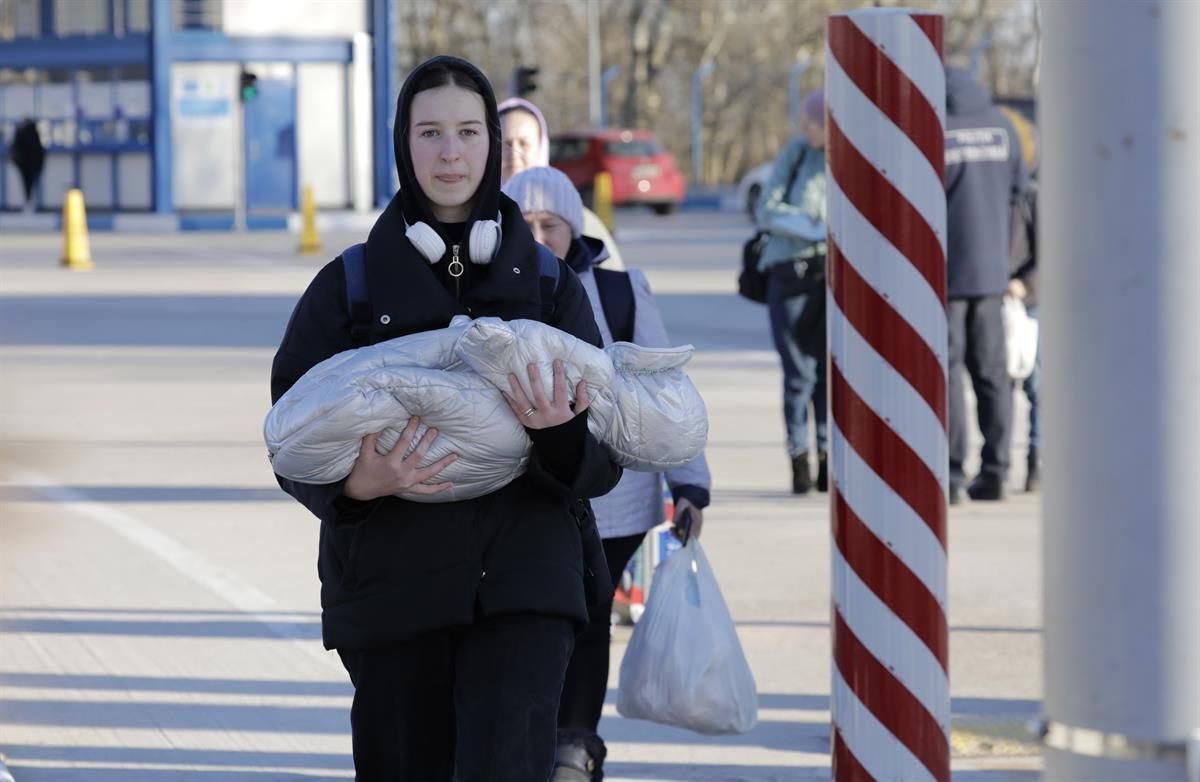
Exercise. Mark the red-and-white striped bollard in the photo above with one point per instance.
(885, 97)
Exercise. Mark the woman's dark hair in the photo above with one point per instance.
(447, 72)
(443, 74)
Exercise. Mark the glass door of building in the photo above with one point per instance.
(270, 141)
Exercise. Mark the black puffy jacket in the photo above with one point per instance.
(391, 568)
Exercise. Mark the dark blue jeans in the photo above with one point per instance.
(468, 704)
(802, 353)
(1032, 385)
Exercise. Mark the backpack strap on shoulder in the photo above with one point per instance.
(617, 301)
(358, 301)
(549, 277)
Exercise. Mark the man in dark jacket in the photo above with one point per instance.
(985, 177)
(29, 156)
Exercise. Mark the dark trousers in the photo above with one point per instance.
(798, 331)
(587, 675)
(29, 179)
(465, 704)
(1032, 386)
(977, 345)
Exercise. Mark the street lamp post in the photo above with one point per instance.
(794, 74)
(610, 73)
(698, 78)
(595, 88)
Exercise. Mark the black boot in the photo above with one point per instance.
(986, 486)
(1033, 477)
(801, 476)
(822, 471)
(579, 757)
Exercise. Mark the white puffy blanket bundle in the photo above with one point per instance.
(643, 407)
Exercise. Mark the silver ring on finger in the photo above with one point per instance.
(529, 412)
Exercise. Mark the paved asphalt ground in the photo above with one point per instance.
(158, 594)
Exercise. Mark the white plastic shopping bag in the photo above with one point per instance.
(1020, 337)
(684, 665)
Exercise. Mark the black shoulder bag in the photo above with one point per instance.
(752, 282)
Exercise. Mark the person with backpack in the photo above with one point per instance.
(625, 311)
(527, 145)
(454, 620)
(792, 211)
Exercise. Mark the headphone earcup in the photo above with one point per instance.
(484, 241)
(427, 241)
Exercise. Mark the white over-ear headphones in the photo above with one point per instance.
(482, 244)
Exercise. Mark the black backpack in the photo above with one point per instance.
(616, 299)
(752, 281)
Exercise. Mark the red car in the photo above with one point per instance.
(642, 171)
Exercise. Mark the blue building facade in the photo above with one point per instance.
(140, 104)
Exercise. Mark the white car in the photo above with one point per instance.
(751, 186)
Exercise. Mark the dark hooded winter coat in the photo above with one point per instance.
(27, 152)
(985, 178)
(391, 569)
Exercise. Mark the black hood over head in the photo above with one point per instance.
(964, 94)
(413, 203)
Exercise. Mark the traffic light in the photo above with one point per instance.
(523, 80)
(248, 86)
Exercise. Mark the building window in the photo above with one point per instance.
(56, 96)
(133, 91)
(18, 92)
(137, 18)
(95, 93)
(81, 17)
(198, 14)
(20, 19)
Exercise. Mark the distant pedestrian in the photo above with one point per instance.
(29, 156)
(792, 210)
(527, 145)
(985, 179)
(455, 620)
(1024, 286)
(625, 310)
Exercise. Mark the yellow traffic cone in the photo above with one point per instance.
(77, 253)
(310, 240)
(602, 199)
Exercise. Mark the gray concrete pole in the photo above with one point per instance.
(1121, 313)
